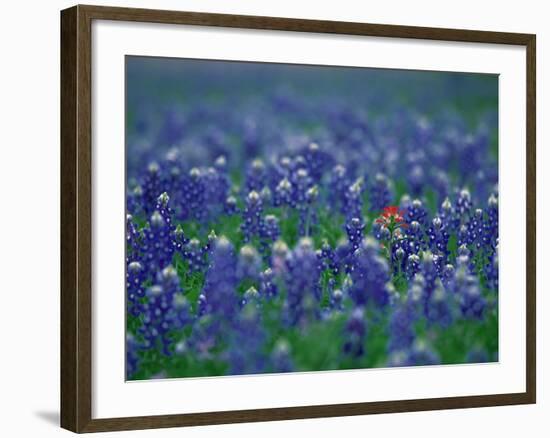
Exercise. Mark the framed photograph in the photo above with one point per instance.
(270, 218)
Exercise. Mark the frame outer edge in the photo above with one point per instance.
(68, 117)
(76, 249)
(303, 25)
(76, 219)
(84, 217)
(531, 249)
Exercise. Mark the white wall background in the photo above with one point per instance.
(29, 219)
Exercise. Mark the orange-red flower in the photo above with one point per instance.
(392, 218)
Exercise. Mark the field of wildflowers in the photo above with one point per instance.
(301, 218)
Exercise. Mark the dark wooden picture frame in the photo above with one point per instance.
(76, 218)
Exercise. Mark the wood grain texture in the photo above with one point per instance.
(299, 25)
(69, 329)
(76, 218)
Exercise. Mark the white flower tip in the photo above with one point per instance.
(258, 164)
(153, 167)
(253, 196)
(220, 161)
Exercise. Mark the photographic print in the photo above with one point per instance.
(299, 218)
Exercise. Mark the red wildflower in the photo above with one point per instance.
(392, 217)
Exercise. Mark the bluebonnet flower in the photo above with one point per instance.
(441, 184)
(464, 259)
(416, 178)
(279, 257)
(414, 238)
(416, 295)
(463, 236)
(447, 274)
(380, 232)
(416, 212)
(472, 303)
(471, 149)
(398, 259)
(302, 284)
(158, 246)
(248, 264)
(338, 185)
(256, 176)
(269, 232)
(179, 239)
(477, 355)
(473, 232)
(423, 279)
(317, 160)
(151, 187)
(354, 230)
(266, 195)
(370, 275)
(163, 207)
(301, 182)
(462, 208)
(337, 299)
(269, 228)
(173, 126)
(490, 224)
(133, 239)
(439, 307)
(280, 169)
(354, 199)
(194, 254)
(246, 339)
(216, 188)
(330, 259)
(404, 246)
(171, 180)
(230, 205)
(355, 334)
(401, 328)
(438, 238)
(193, 204)
(405, 202)
(281, 357)
(343, 255)
(252, 216)
(210, 241)
(491, 271)
(420, 353)
(251, 297)
(251, 137)
(308, 215)
(165, 310)
(219, 290)
(429, 268)
(268, 287)
(399, 239)
(135, 289)
(466, 288)
(134, 200)
(423, 354)
(380, 194)
(283, 193)
(221, 164)
(132, 356)
(412, 266)
(447, 216)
